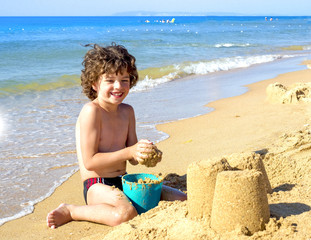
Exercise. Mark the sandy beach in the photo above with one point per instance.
(267, 120)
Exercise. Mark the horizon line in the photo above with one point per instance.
(236, 15)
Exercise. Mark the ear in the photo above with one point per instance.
(94, 87)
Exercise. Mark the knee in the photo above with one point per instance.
(172, 194)
(124, 214)
(183, 197)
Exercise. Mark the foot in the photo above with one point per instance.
(59, 216)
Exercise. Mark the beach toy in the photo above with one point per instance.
(143, 190)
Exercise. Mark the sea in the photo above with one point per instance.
(184, 62)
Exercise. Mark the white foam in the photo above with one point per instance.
(225, 64)
(205, 67)
(227, 45)
(149, 83)
(28, 207)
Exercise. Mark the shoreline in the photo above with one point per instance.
(233, 127)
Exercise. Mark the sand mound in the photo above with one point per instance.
(288, 167)
(299, 92)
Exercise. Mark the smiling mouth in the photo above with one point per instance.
(117, 94)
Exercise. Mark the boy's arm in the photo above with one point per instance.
(140, 148)
(132, 137)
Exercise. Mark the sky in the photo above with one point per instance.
(107, 8)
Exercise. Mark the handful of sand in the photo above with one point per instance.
(152, 158)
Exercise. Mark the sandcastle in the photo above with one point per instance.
(299, 92)
(229, 193)
(243, 161)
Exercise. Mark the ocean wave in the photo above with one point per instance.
(156, 76)
(148, 82)
(225, 64)
(297, 47)
(228, 45)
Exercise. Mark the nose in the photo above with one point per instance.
(117, 84)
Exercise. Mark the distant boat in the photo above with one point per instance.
(162, 21)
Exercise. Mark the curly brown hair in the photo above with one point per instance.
(100, 60)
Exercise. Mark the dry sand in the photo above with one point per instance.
(279, 132)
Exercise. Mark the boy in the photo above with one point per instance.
(106, 140)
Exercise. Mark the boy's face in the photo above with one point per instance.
(112, 88)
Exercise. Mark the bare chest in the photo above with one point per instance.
(114, 133)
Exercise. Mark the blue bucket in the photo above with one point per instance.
(144, 196)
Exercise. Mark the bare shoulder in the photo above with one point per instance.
(89, 110)
(126, 108)
(90, 106)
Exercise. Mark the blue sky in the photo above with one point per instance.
(106, 8)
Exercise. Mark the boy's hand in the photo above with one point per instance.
(146, 154)
(140, 151)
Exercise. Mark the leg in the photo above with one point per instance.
(172, 194)
(106, 205)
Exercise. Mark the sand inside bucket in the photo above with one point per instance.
(145, 181)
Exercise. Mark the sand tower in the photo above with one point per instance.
(240, 200)
(201, 179)
(249, 160)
